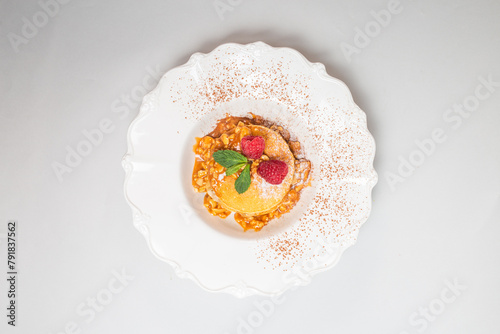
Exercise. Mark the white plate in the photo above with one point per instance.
(282, 86)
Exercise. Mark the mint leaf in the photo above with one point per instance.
(234, 168)
(243, 182)
(228, 158)
(234, 161)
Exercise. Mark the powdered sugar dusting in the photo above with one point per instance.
(267, 190)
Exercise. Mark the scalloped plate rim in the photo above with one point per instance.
(239, 291)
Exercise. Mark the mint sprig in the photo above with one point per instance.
(233, 162)
(228, 158)
(235, 168)
(243, 182)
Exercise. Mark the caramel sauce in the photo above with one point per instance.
(227, 124)
(227, 135)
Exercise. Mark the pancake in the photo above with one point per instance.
(261, 197)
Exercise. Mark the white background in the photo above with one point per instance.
(441, 223)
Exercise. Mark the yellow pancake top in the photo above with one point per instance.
(261, 197)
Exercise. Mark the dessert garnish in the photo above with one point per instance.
(252, 146)
(273, 171)
(234, 161)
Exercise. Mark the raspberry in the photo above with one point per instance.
(252, 146)
(273, 171)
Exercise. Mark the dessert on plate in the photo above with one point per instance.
(249, 166)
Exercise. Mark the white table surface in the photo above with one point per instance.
(437, 227)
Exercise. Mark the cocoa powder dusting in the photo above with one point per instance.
(340, 140)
